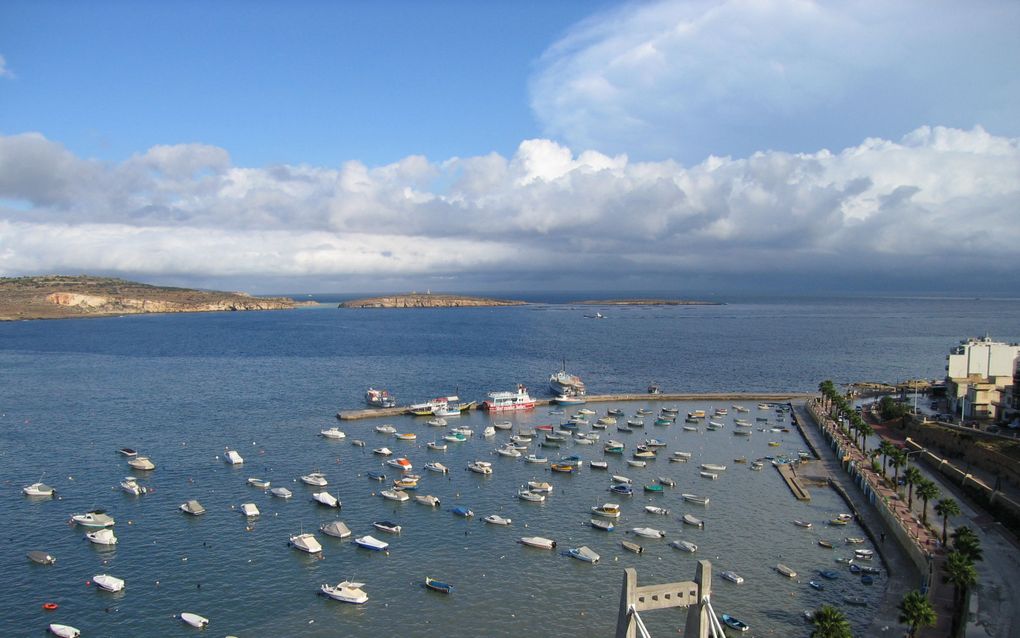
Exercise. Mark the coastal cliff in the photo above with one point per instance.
(58, 296)
(427, 300)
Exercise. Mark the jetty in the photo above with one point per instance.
(773, 397)
(790, 476)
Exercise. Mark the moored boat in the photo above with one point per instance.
(480, 467)
(684, 546)
(369, 542)
(108, 582)
(64, 631)
(509, 401)
(42, 558)
(103, 536)
(395, 495)
(660, 511)
(693, 498)
(38, 489)
(94, 519)
(380, 398)
(387, 526)
(648, 532)
(327, 499)
(584, 553)
(733, 577)
(538, 542)
(142, 463)
(438, 585)
(693, 520)
(632, 547)
(608, 510)
(280, 492)
(336, 529)
(786, 571)
(496, 519)
(733, 623)
(333, 433)
(194, 620)
(192, 507)
(345, 592)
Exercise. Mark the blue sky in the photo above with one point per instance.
(681, 145)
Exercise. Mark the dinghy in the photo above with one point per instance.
(194, 620)
(538, 542)
(584, 553)
(496, 519)
(686, 546)
(64, 631)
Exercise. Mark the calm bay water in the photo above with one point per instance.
(181, 388)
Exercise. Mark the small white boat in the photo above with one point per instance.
(346, 592)
(192, 507)
(194, 620)
(538, 542)
(395, 495)
(616, 478)
(509, 451)
(306, 542)
(541, 487)
(608, 510)
(652, 509)
(527, 495)
(853, 540)
(693, 498)
(386, 428)
(503, 425)
(599, 465)
(358, 443)
(709, 475)
(644, 454)
(436, 466)
(496, 519)
(387, 526)
(583, 440)
(382, 451)
(634, 463)
(102, 537)
(531, 458)
(333, 433)
(648, 532)
(107, 582)
(318, 479)
(436, 423)
(428, 499)
(280, 492)
(480, 467)
(804, 524)
(437, 446)
(233, 458)
(489, 431)
(325, 498)
(786, 571)
(406, 436)
(682, 455)
(93, 519)
(250, 510)
(64, 631)
(684, 546)
(257, 482)
(733, 577)
(131, 486)
(693, 520)
(336, 529)
(43, 558)
(463, 430)
(401, 464)
(369, 542)
(142, 463)
(38, 489)
(584, 553)
(713, 467)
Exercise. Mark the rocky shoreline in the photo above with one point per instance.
(63, 297)
(428, 300)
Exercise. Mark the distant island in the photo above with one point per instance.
(646, 302)
(428, 300)
(61, 297)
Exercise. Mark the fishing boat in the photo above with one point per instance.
(509, 401)
(496, 519)
(64, 631)
(346, 592)
(786, 571)
(142, 463)
(369, 542)
(532, 458)
(437, 467)
(825, 543)
(607, 510)
(538, 542)
(379, 398)
(684, 546)
(439, 586)
(280, 492)
(563, 467)
(693, 498)
(336, 529)
(693, 520)
(648, 532)
(38, 489)
(622, 488)
(613, 447)
(332, 433)
(395, 495)
(800, 523)
(733, 577)
(42, 558)
(316, 479)
(462, 512)
(733, 623)
(566, 384)
(480, 467)
(664, 420)
(103, 536)
(437, 446)
(635, 423)
(584, 553)
(653, 488)
(527, 495)
(660, 511)
(387, 526)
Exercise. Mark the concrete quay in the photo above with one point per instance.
(768, 397)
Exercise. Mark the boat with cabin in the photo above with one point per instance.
(509, 401)
(346, 592)
(108, 582)
(733, 577)
(380, 398)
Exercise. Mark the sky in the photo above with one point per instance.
(690, 146)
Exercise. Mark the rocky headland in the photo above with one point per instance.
(428, 300)
(60, 297)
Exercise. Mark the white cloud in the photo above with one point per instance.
(5, 71)
(682, 79)
(939, 201)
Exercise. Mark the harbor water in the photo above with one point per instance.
(184, 388)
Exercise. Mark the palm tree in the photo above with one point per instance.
(886, 449)
(830, 622)
(967, 543)
(897, 460)
(945, 508)
(927, 491)
(865, 430)
(912, 476)
(916, 611)
(960, 571)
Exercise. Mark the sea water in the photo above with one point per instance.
(183, 388)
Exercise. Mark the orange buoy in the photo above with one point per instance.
(49, 606)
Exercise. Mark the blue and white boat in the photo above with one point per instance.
(462, 511)
(733, 623)
(437, 585)
(368, 542)
(583, 553)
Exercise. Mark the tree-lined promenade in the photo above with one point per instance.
(954, 567)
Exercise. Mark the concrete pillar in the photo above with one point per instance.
(625, 625)
(698, 623)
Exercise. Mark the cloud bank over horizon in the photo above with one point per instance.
(939, 202)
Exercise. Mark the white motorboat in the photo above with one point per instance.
(428, 499)
(102, 537)
(709, 475)
(131, 486)
(306, 542)
(401, 464)
(142, 463)
(93, 519)
(503, 425)
(358, 443)
(280, 492)
(693, 520)
(713, 467)
(437, 446)
(509, 451)
(260, 483)
(436, 423)
(685, 546)
(583, 440)
(733, 577)
(532, 458)
(436, 466)
(233, 458)
(406, 436)
(584, 553)
(489, 431)
(395, 495)
(634, 463)
(463, 431)
(346, 592)
(387, 526)
(608, 510)
(496, 519)
(325, 498)
(43, 558)
(194, 619)
(385, 429)
(336, 529)
(334, 433)
(538, 542)
(318, 479)
(368, 542)
(107, 582)
(648, 532)
(528, 495)
(599, 465)
(38, 489)
(192, 507)
(480, 467)
(616, 478)
(64, 631)
(542, 487)
(250, 510)
(693, 498)
(660, 511)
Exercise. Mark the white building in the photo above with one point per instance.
(979, 377)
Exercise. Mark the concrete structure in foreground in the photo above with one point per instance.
(979, 378)
(694, 595)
